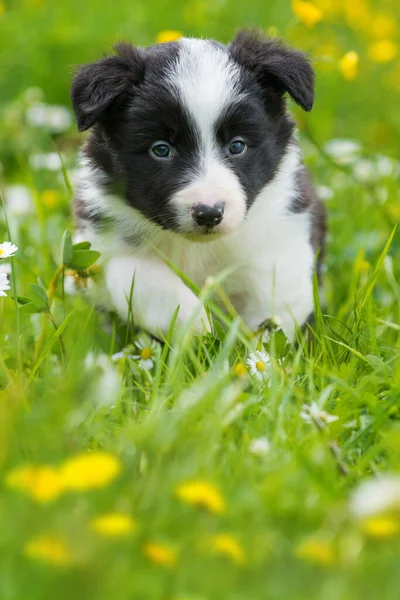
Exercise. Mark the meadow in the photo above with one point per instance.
(215, 467)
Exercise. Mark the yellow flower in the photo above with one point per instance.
(307, 12)
(168, 35)
(381, 527)
(43, 484)
(316, 551)
(357, 14)
(240, 370)
(201, 493)
(383, 51)
(160, 554)
(49, 549)
(90, 470)
(226, 545)
(348, 65)
(50, 198)
(113, 524)
(383, 26)
(2, 8)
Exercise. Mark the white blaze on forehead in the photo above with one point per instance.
(206, 80)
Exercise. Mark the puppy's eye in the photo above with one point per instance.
(237, 147)
(161, 150)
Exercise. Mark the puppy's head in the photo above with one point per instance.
(192, 130)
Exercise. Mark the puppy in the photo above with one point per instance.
(193, 153)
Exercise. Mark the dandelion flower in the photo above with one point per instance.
(147, 350)
(227, 545)
(383, 51)
(113, 524)
(316, 551)
(381, 527)
(202, 494)
(49, 549)
(376, 496)
(42, 483)
(314, 414)
(7, 249)
(239, 370)
(348, 65)
(4, 284)
(307, 12)
(168, 35)
(258, 363)
(160, 554)
(91, 470)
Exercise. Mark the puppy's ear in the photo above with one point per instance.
(275, 65)
(96, 86)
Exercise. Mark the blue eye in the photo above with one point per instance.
(237, 147)
(161, 150)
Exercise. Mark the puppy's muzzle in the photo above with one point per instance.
(208, 216)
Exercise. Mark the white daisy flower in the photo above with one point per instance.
(376, 496)
(54, 118)
(7, 249)
(50, 161)
(19, 200)
(4, 284)
(343, 150)
(147, 350)
(314, 414)
(259, 446)
(258, 364)
(124, 353)
(5, 268)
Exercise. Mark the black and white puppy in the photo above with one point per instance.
(193, 152)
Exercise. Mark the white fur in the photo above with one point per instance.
(206, 81)
(271, 251)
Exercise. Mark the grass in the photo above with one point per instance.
(219, 486)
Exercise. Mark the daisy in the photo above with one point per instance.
(259, 446)
(7, 249)
(4, 285)
(258, 364)
(147, 350)
(314, 414)
(376, 496)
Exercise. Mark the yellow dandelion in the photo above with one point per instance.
(50, 198)
(113, 524)
(168, 35)
(90, 470)
(381, 527)
(201, 493)
(227, 545)
(307, 12)
(383, 26)
(348, 65)
(43, 483)
(240, 370)
(383, 51)
(49, 549)
(160, 554)
(2, 8)
(316, 551)
(357, 14)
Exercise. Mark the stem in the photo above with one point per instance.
(51, 290)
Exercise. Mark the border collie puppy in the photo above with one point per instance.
(193, 153)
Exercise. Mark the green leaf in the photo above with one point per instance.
(39, 297)
(66, 247)
(82, 246)
(83, 259)
(22, 300)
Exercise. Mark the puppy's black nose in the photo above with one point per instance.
(208, 216)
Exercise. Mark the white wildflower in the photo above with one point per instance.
(258, 362)
(147, 349)
(5, 268)
(342, 150)
(106, 388)
(53, 118)
(50, 161)
(325, 192)
(259, 446)
(4, 285)
(375, 496)
(7, 249)
(19, 200)
(314, 414)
